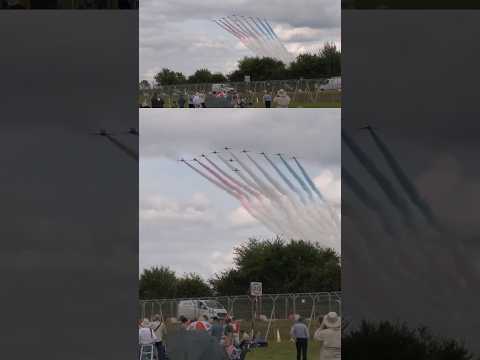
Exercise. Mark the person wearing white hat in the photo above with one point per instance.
(330, 334)
(282, 99)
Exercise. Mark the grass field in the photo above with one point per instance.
(283, 351)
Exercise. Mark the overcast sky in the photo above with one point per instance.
(188, 224)
(179, 34)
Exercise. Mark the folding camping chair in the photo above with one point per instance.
(148, 352)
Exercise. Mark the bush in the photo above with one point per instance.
(390, 341)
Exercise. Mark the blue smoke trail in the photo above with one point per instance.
(302, 184)
(266, 29)
(309, 180)
(285, 179)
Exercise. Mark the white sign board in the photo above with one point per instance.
(247, 78)
(256, 288)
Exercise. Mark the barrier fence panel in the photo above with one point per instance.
(302, 92)
(276, 306)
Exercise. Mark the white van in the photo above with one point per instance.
(216, 88)
(334, 83)
(193, 309)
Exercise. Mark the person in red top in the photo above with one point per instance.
(201, 324)
(236, 331)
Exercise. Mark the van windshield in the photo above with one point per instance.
(214, 304)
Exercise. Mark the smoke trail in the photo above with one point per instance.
(223, 181)
(248, 34)
(230, 178)
(293, 207)
(381, 180)
(130, 152)
(263, 211)
(404, 180)
(255, 178)
(368, 200)
(244, 202)
(267, 207)
(213, 181)
(319, 194)
(285, 179)
(275, 44)
(276, 37)
(309, 179)
(300, 181)
(259, 36)
(275, 184)
(243, 177)
(236, 33)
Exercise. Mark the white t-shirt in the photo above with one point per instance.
(197, 101)
(146, 336)
(332, 343)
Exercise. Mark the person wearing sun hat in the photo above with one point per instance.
(282, 100)
(330, 334)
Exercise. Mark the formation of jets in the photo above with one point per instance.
(226, 148)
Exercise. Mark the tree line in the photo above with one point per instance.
(325, 63)
(283, 267)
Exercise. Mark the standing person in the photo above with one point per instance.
(196, 100)
(299, 332)
(190, 101)
(181, 101)
(236, 331)
(202, 100)
(282, 99)
(216, 330)
(146, 336)
(157, 101)
(160, 330)
(183, 322)
(228, 331)
(267, 99)
(200, 324)
(330, 334)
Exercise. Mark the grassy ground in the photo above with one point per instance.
(283, 351)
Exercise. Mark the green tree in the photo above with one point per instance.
(218, 78)
(144, 85)
(398, 342)
(294, 266)
(162, 283)
(192, 285)
(169, 77)
(259, 69)
(331, 59)
(307, 66)
(200, 76)
(157, 283)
